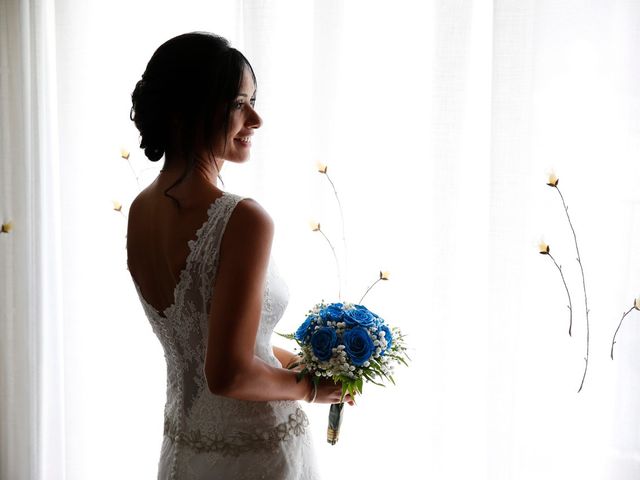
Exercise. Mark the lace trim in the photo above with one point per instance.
(267, 439)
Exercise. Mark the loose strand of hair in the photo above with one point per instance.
(191, 161)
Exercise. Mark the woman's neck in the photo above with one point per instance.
(203, 169)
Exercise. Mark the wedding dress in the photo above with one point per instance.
(206, 436)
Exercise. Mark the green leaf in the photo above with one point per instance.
(370, 379)
(290, 336)
(358, 385)
(345, 388)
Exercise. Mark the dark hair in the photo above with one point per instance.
(187, 89)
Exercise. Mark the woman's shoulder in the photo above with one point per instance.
(249, 217)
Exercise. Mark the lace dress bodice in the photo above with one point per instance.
(207, 436)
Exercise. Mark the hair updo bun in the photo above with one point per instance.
(147, 115)
(187, 88)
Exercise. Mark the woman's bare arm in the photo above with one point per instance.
(231, 367)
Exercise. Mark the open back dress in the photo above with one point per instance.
(206, 436)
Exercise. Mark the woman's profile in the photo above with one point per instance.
(201, 264)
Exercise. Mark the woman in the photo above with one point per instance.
(200, 261)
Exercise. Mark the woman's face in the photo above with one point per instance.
(243, 121)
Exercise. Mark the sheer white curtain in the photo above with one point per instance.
(564, 96)
(438, 121)
(31, 367)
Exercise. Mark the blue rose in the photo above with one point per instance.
(362, 307)
(303, 330)
(333, 312)
(322, 342)
(359, 317)
(358, 345)
(377, 320)
(387, 336)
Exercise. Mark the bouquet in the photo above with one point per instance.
(351, 344)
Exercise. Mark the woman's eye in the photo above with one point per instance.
(239, 104)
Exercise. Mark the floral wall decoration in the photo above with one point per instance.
(544, 249)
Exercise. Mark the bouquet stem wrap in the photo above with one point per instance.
(335, 419)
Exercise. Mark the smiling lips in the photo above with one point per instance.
(246, 141)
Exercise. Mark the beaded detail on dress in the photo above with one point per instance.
(209, 434)
(241, 442)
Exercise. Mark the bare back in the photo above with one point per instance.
(159, 233)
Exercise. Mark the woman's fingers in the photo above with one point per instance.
(330, 392)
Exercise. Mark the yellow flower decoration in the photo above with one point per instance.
(543, 248)
(7, 227)
(384, 275)
(636, 304)
(322, 168)
(315, 226)
(124, 153)
(552, 180)
(117, 206)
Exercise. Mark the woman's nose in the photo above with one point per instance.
(254, 120)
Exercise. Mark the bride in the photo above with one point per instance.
(200, 262)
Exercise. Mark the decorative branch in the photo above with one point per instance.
(124, 153)
(636, 305)
(383, 276)
(315, 227)
(545, 250)
(553, 182)
(322, 168)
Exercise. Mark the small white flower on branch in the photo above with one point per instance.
(543, 248)
(552, 180)
(383, 276)
(117, 207)
(124, 153)
(6, 227)
(322, 168)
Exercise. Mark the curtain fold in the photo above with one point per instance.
(31, 398)
(18, 415)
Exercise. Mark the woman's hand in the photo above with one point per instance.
(328, 392)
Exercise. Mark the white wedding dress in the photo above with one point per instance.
(208, 437)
